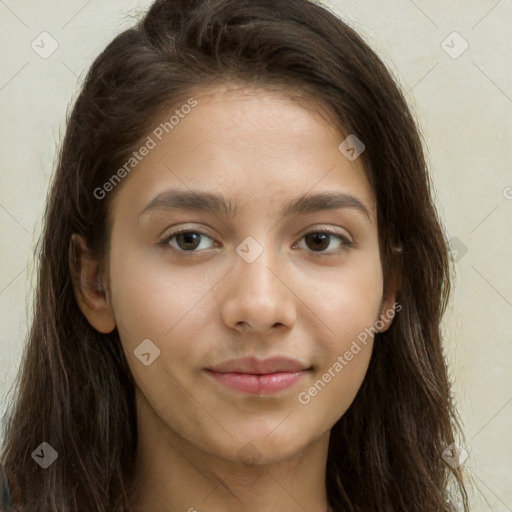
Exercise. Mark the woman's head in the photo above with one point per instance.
(255, 282)
(254, 125)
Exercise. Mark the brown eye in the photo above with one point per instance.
(188, 241)
(319, 242)
(185, 240)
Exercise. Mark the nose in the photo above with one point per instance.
(259, 297)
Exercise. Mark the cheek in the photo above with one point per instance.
(343, 301)
(166, 304)
(347, 303)
(151, 297)
(154, 301)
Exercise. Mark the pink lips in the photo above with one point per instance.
(258, 376)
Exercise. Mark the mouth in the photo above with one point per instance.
(259, 376)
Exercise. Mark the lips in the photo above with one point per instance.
(256, 366)
(258, 376)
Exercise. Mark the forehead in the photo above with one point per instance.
(273, 115)
(248, 143)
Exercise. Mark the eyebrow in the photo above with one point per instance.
(216, 203)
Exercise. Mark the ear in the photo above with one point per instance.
(389, 307)
(90, 292)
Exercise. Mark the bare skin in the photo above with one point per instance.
(202, 445)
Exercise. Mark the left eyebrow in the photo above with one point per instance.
(217, 203)
(324, 201)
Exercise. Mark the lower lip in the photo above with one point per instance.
(257, 384)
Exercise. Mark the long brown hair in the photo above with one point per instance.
(75, 390)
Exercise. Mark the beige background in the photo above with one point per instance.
(464, 107)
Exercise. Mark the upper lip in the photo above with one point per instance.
(255, 366)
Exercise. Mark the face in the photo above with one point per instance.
(251, 316)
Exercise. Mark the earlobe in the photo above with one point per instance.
(389, 306)
(385, 319)
(90, 293)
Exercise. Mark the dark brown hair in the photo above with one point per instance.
(75, 390)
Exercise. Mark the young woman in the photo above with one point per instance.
(242, 277)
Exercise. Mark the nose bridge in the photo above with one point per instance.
(257, 264)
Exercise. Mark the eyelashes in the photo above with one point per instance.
(345, 243)
(185, 236)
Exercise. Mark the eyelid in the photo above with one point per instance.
(328, 229)
(346, 241)
(184, 229)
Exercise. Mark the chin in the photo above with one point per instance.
(264, 449)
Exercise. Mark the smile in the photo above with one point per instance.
(265, 384)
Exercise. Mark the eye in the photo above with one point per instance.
(320, 240)
(187, 240)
